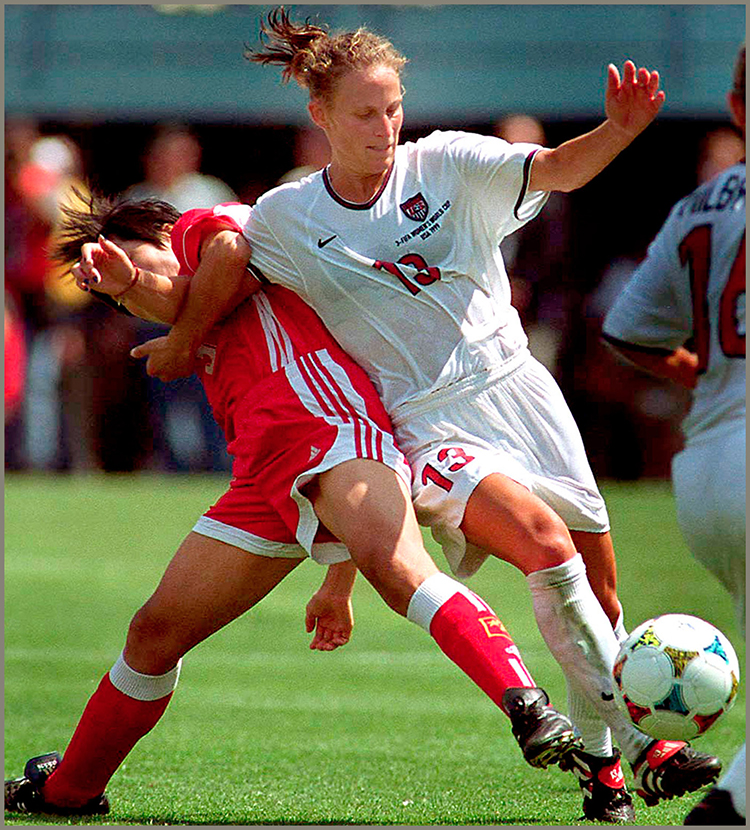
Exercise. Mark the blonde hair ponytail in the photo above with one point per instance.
(316, 59)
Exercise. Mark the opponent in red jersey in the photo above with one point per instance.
(291, 404)
(312, 446)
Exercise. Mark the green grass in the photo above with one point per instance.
(385, 731)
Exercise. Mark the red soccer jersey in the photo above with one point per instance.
(292, 405)
(265, 333)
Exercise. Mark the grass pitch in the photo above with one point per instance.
(385, 731)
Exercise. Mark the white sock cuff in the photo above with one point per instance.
(430, 596)
(557, 576)
(143, 686)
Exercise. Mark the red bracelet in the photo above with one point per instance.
(133, 281)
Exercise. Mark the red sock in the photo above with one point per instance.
(472, 636)
(110, 726)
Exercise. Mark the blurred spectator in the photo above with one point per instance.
(76, 386)
(14, 359)
(27, 225)
(720, 149)
(538, 260)
(186, 437)
(39, 173)
(26, 230)
(312, 152)
(172, 172)
(55, 398)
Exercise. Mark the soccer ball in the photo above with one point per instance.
(675, 675)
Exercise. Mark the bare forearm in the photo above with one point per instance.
(631, 104)
(339, 579)
(680, 366)
(574, 163)
(155, 297)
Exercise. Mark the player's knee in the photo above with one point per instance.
(396, 576)
(152, 641)
(549, 542)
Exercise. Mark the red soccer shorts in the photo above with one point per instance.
(307, 418)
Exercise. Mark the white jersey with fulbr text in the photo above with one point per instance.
(690, 290)
(412, 283)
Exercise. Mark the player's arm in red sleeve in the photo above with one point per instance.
(219, 284)
(631, 104)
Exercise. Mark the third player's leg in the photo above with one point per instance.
(598, 555)
(206, 585)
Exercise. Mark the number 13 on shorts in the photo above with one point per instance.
(457, 457)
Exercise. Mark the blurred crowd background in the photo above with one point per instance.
(157, 101)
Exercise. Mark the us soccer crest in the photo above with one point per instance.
(416, 208)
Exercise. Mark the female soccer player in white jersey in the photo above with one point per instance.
(308, 435)
(397, 248)
(691, 287)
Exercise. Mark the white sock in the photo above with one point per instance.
(596, 735)
(581, 639)
(431, 595)
(143, 686)
(734, 781)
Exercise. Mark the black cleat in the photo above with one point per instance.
(24, 795)
(544, 735)
(666, 769)
(605, 797)
(716, 809)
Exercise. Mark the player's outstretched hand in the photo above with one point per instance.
(167, 357)
(331, 618)
(634, 101)
(103, 265)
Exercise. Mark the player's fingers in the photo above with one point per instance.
(309, 619)
(628, 73)
(109, 247)
(643, 77)
(144, 350)
(80, 277)
(147, 348)
(87, 250)
(86, 267)
(653, 82)
(613, 79)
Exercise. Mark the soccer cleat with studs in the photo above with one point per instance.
(667, 769)
(24, 794)
(605, 797)
(716, 809)
(544, 735)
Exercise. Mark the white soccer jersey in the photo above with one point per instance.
(412, 283)
(692, 286)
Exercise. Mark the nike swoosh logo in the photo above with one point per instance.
(606, 696)
(323, 242)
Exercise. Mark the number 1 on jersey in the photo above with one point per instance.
(695, 251)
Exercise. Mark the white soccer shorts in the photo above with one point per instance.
(709, 486)
(518, 424)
